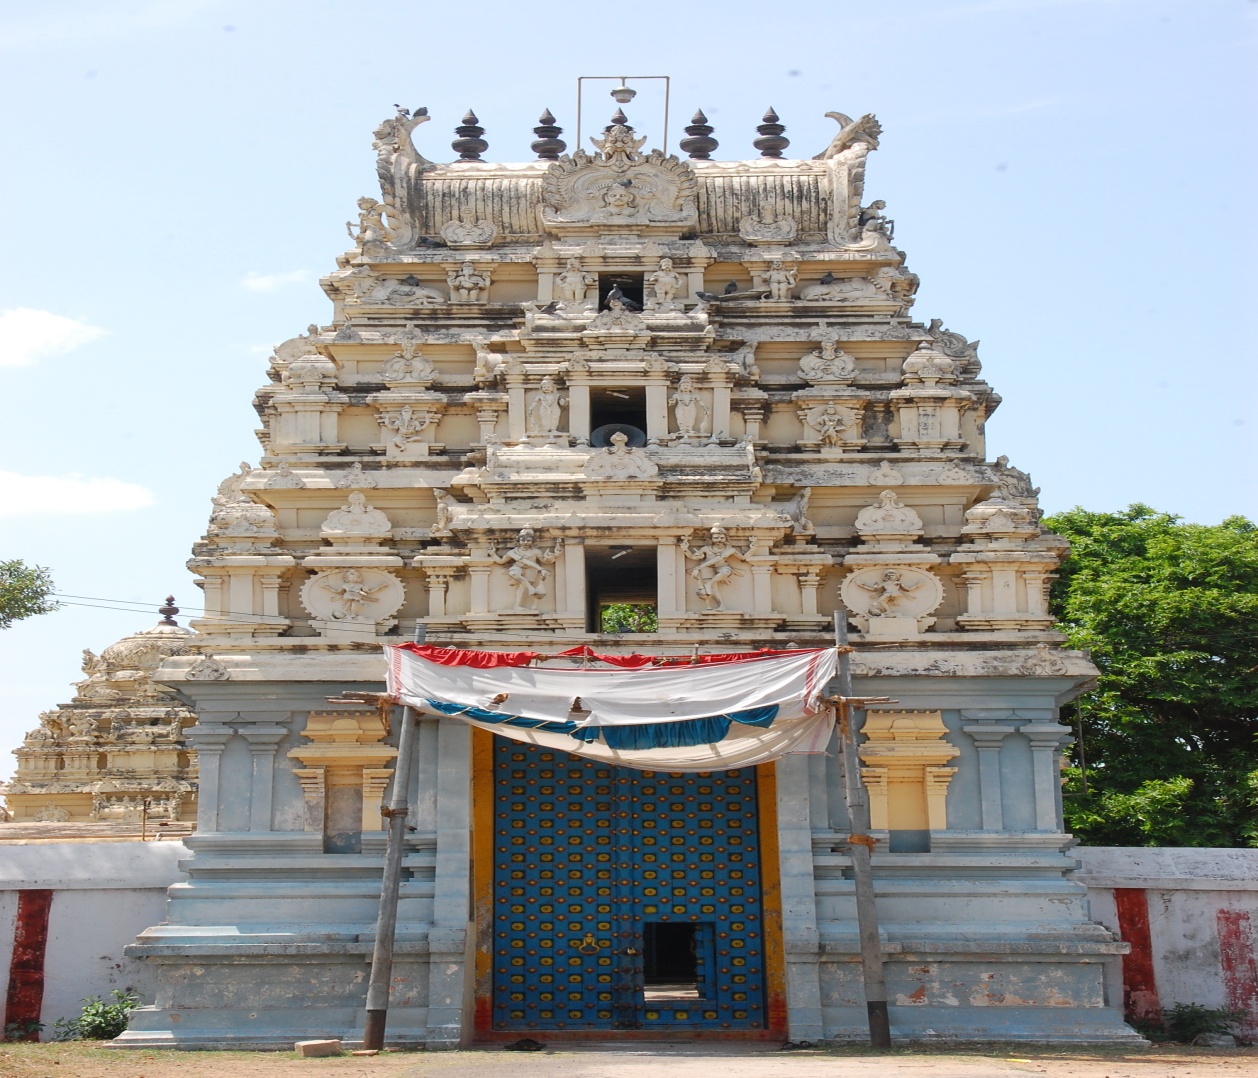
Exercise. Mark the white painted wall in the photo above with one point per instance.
(106, 893)
(1185, 889)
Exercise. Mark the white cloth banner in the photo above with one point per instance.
(619, 697)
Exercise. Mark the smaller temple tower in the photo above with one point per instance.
(116, 752)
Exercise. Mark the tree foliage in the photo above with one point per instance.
(1169, 612)
(25, 590)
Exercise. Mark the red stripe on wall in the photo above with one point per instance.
(25, 997)
(1240, 972)
(1140, 990)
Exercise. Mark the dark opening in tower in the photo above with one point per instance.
(621, 589)
(631, 288)
(615, 407)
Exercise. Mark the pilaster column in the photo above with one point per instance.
(263, 741)
(375, 780)
(879, 808)
(657, 411)
(800, 938)
(487, 418)
(974, 590)
(208, 740)
(721, 384)
(579, 408)
(573, 599)
(1045, 738)
(808, 583)
(752, 418)
(987, 739)
(517, 415)
(666, 571)
(314, 794)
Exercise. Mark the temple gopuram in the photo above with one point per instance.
(609, 403)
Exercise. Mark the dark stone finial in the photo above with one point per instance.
(700, 144)
(619, 119)
(771, 143)
(548, 145)
(469, 145)
(169, 611)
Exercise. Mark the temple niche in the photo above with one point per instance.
(546, 391)
(115, 758)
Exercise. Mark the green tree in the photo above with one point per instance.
(25, 590)
(1169, 611)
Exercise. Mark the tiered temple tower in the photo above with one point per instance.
(550, 391)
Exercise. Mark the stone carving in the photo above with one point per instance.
(526, 568)
(780, 279)
(714, 569)
(999, 517)
(487, 363)
(462, 233)
(620, 461)
(310, 371)
(619, 185)
(876, 229)
(207, 668)
(397, 167)
(832, 289)
(356, 477)
(929, 368)
(356, 520)
(618, 318)
(284, 478)
(407, 426)
(51, 813)
(867, 129)
(828, 365)
(408, 366)
(768, 230)
(830, 422)
(951, 344)
(571, 284)
(885, 476)
(353, 595)
(545, 412)
(469, 283)
(889, 519)
(229, 490)
(689, 409)
(665, 283)
(445, 503)
(406, 292)
(371, 230)
(797, 510)
(954, 474)
(1014, 482)
(901, 592)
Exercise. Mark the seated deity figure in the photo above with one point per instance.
(687, 405)
(876, 229)
(714, 569)
(827, 364)
(370, 229)
(545, 411)
(468, 283)
(526, 568)
(407, 425)
(779, 280)
(888, 593)
(571, 285)
(666, 282)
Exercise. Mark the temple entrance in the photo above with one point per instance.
(624, 899)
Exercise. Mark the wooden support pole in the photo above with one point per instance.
(860, 846)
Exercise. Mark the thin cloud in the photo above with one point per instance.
(27, 335)
(98, 21)
(68, 495)
(269, 282)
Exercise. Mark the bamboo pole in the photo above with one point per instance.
(861, 845)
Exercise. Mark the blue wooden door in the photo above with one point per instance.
(624, 899)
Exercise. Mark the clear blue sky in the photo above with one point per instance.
(1072, 179)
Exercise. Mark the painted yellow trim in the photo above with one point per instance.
(771, 899)
(483, 876)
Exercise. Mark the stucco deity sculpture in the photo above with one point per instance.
(876, 229)
(689, 409)
(714, 569)
(889, 593)
(780, 280)
(546, 410)
(526, 567)
(829, 421)
(832, 289)
(619, 200)
(351, 595)
(408, 426)
(570, 285)
(468, 283)
(371, 227)
(666, 282)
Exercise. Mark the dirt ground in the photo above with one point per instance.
(90, 1060)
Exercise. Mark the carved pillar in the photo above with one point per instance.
(974, 590)
(208, 740)
(657, 411)
(375, 780)
(263, 742)
(905, 752)
(314, 795)
(752, 418)
(572, 601)
(517, 414)
(808, 583)
(487, 418)
(1036, 584)
(666, 571)
(761, 577)
(579, 407)
(987, 739)
(876, 785)
(479, 567)
(721, 383)
(937, 780)
(1045, 738)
